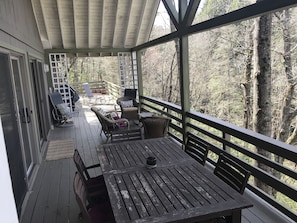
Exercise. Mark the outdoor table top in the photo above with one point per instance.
(131, 154)
(179, 191)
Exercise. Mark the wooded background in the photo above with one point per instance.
(243, 73)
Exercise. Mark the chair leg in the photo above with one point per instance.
(80, 216)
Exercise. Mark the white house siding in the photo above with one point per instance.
(18, 34)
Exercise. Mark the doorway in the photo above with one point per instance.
(21, 89)
(11, 132)
(39, 99)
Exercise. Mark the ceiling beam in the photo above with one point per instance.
(87, 50)
(89, 27)
(137, 32)
(58, 2)
(43, 11)
(75, 24)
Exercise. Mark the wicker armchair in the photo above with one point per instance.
(117, 130)
(129, 108)
(155, 126)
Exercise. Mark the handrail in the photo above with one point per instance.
(109, 88)
(240, 143)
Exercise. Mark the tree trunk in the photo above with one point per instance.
(169, 85)
(286, 115)
(169, 81)
(262, 88)
(248, 80)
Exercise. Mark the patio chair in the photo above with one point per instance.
(232, 173)
(61, 112)
(129, 92)
(129, 107)
(96, 213)
(197, 149)
(117, 129)
(93, 99)
(155, 126)
(94, 185)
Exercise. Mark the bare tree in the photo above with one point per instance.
(287, 110)
(262, 115)
(248, 79)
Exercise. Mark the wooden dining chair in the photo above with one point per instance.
(100, 212)
(232, 173)
(94, 185)
(89, 181)
(197, 149)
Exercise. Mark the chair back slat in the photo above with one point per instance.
(81, 167)
(197, 149)
(81, 195)
(232, 173)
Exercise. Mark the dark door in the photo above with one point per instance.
(39, 99)
(11, 133)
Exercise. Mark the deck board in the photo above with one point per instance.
(52, 198)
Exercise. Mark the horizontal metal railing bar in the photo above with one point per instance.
(273, 202)
(270, 144)
(165, 104)
(144, 105)
(175, 137)
(258, 173)
(249, 153)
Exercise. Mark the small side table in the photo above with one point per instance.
(145, 115)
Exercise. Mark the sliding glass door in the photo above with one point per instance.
(24, 112)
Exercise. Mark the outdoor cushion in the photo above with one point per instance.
(63, 109)
(115, 116)
(126, 104)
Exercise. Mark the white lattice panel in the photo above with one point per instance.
(58, 66)
(126, 71)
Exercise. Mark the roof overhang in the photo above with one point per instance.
(94, 27)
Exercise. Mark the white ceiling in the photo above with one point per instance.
(94, 27)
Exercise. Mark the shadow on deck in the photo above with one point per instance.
(52, 200)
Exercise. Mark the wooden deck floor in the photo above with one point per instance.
(52, 199)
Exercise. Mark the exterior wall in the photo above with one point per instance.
(18, 27)
(6, 193)
(19, 35)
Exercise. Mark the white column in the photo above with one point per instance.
(7, 203)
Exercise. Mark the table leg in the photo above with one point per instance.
(235, 217)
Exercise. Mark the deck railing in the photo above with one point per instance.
(241, 144)
(98, 87)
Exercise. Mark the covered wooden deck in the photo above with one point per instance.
(52, 199)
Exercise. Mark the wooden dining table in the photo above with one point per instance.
(178, 189)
